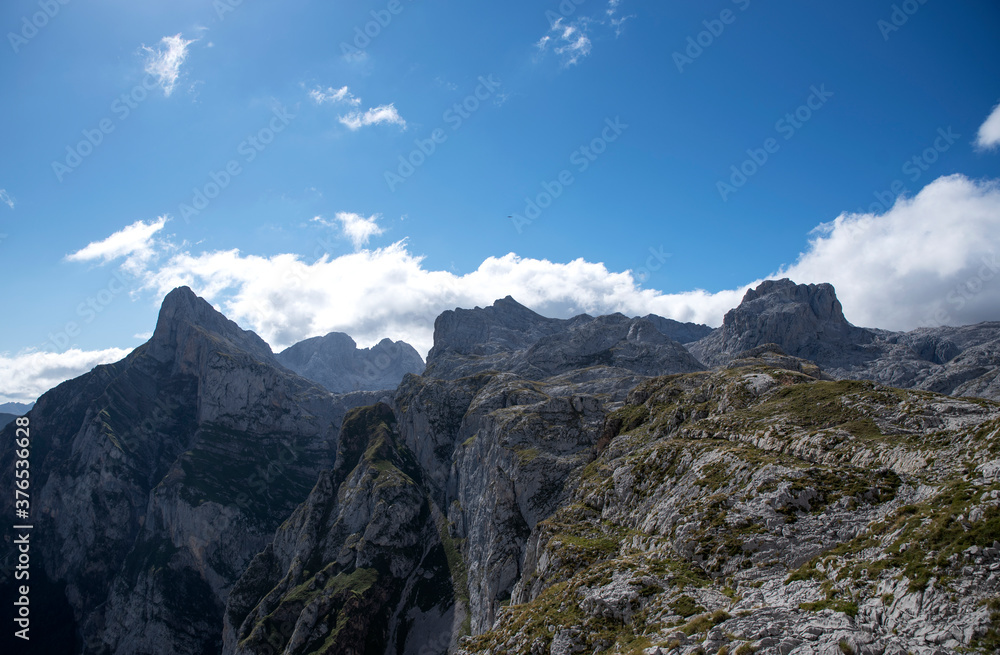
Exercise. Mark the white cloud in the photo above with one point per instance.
(134, 242)
(388, 292)
(356, 119)
(165, 62)
(617, 22)
(6, 199)
(989, 131)
(357, 228)
(374, 116)
(25, 376)
(331, 95)
(930, 260)
(571, 41)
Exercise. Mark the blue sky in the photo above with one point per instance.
(630, 117)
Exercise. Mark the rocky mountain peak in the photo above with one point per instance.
(185, 316)
(805, 320)
(820, 300)
(504, 326)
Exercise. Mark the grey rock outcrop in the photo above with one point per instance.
(335, 362)
(807, 321)
(510, 337)
(678, 331)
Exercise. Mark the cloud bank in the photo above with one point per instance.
(26, 376)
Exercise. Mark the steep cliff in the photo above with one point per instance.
(156, 479)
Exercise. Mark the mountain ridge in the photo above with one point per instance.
(544, 485)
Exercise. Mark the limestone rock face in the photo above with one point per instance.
(805, 320)
(157, 479)
(359, 567)
(760, 509)
(678, 331)
(510, 337)
(336, 363)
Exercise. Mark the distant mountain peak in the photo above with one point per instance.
(335, 361)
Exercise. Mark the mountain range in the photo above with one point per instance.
(785, 483)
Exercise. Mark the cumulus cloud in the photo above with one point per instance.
(929, 260)
(989, 132)
(6, 199)
(356, 227)
(26, 376)
(136, 243)
(165, 61)
(387, 114)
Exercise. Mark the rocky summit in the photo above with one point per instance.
(787, 483)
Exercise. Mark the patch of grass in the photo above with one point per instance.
(705, 622)
(714, 476)
(686, 606)
(807, 571)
